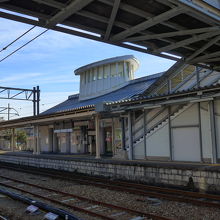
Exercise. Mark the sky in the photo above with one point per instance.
(50, 61)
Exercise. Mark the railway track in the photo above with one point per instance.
(200, 199)
(34, 205)
(78, 203)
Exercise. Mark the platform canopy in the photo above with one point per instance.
(175, 29)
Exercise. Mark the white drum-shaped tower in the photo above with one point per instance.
(105, 76)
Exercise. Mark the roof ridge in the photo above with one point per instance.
(73, 96)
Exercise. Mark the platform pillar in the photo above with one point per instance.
(170, 134)
(130, 137)
(55, 143)
(38, 140)
(145, 132)
(213, 131)
(50, 139)
(98, 137)
(34, 140)
(68, 142)
(113, 137)
(102, 139)
(123, 133)
(13, 141)
(36, 149)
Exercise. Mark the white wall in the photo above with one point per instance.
(186, 144)
(139, 151)
(185, 136)
(44, 138)
(73, 148)
(206, 131)
(63, 142)
(157, 144)
(75, 144)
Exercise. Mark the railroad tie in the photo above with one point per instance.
(53, 194)
(137, 218)
(67, 200)
(5, 181)
(118, 214)
(20, 185)
(92, 207)
(102, 209)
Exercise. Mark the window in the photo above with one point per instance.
(120, 69)
(127, 69)
(93, 74)
(132, 71)
(163, 90)
(84, 77)
(99, 72)
(188, 70)
(106, 71)
(88, 76)
(176, 80)
(113, 70)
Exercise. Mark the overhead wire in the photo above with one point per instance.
(4, 48)
(23, 45)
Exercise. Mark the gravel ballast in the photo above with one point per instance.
(170, 209)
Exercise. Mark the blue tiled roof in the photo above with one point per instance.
(135, 87)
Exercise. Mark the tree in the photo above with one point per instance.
(21, 137)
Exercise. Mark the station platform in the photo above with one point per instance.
(205, 177)
(107, 159)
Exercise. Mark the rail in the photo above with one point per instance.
(196, 198)
(93, 206)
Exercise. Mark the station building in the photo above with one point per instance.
(169, 116)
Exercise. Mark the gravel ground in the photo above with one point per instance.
(170, 209)
(14, 210)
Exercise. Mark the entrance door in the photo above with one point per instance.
(108, 140)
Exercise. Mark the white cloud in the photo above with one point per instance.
(58, 80)
(27, 79)
(18, 77)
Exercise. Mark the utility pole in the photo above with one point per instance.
(32, 95)
(8, 111)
